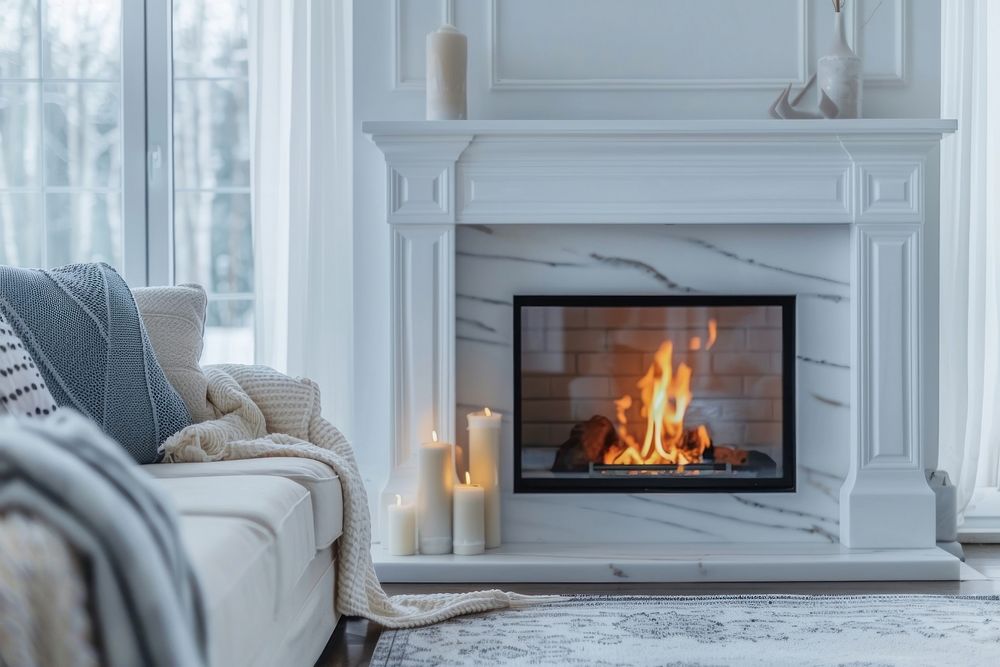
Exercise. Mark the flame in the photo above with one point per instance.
(468, 478)
(399, 500)
(665, 394)
(488, 412)
(434, 436)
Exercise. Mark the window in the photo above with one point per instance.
(92, 94)
(211, 157)
(60, 132)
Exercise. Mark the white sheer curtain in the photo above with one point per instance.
(970, 246)
(301, 169)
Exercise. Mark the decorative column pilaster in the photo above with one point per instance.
(420, 208)
(885, 501)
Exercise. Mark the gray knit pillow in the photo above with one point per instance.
(22, 390)
(81, 327)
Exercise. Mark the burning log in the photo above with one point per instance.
(731, 455)
(587, 443)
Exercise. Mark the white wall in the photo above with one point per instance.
(599, 59)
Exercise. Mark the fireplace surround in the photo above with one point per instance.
(665, 393)
(854, 197)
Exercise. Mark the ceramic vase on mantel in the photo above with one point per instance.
(839, 73)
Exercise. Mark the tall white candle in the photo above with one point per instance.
(447, 56)
(402, 528)
(484, 464)
(470, 535)
(436, 481)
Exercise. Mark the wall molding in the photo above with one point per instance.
(398, 82)
(499, 82)
(897, 76)
(894, 77)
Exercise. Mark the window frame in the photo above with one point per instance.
(158, 145)
(135, 204)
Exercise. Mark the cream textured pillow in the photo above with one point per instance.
(175, 322)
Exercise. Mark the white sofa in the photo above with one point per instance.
(261, 533)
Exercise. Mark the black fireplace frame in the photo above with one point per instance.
(784, 484)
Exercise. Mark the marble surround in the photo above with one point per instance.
(834, 212)
(494, 263)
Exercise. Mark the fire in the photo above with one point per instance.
(665, 393)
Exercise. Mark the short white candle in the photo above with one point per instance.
(470, 535)
(447, 58)
(435, 484)
(484, 464)
(402, 528)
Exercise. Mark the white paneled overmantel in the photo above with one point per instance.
(870, 177)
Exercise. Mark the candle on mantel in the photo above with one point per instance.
(402, 528)
(484, 464)
(447, 58)
(470, 534)
(435, 484)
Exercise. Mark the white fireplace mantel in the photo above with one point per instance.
(872, 175)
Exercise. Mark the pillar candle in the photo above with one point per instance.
(435, 484)
(402, 528)
(484, 465)
(470, 535)
(447, 56)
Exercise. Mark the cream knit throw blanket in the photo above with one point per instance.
(264, 413)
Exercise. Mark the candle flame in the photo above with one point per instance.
(468, 477)
(434, 436)
(487, 411)
(399, 500)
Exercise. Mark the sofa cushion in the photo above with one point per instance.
(236, 560)
(22, 389)
(320, 480)
(175, 321)
(81, 327)
(277, 505)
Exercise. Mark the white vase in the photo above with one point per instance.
(447, 58)
(839, 73)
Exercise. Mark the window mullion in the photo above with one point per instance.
(159, 143)
(133, 109)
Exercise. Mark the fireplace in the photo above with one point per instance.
(838, 213)
(654, 393)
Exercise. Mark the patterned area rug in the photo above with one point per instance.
(772, 630)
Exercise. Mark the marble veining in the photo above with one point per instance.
(495, 263)
(646, 268)
(753, 262)
(822, 362)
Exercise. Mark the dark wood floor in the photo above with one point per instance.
(355, 639)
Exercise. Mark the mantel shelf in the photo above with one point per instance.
(494, 172)
(885, 127)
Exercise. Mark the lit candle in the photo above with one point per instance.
(484, 464)
(402, 528)
(447, 57)
(436, 481)
(470, 535)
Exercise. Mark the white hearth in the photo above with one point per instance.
(836, 212)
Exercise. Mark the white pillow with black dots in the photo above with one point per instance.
(22, 389)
